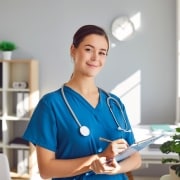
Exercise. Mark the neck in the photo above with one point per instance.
(86, 88)
(83, 86)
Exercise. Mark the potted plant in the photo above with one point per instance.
(173, 146)
(7, 47)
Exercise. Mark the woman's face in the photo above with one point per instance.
(89, 57)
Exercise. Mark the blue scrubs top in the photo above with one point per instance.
(53, 127)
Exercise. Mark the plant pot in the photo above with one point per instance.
(7, 55)
(172, 172)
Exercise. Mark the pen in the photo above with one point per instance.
(104, 139)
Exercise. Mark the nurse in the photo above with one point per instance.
(68, 124)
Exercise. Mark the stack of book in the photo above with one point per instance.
(160, 129)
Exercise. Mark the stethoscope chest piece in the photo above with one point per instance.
(84, 131)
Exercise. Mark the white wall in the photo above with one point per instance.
(43, 30)
(178, 63)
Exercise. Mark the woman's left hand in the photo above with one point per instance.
(102, 166)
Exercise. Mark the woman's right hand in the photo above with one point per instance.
(106, 163)
(114, 148)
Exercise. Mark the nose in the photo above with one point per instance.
(94, 55)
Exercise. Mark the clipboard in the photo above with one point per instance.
(136, 147)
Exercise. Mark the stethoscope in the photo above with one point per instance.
(84, 130)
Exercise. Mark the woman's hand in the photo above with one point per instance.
(106, 163)
(114, 148)
(102, 166)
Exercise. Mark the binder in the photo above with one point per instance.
(26, 104)
(20, 105)
(22, 158)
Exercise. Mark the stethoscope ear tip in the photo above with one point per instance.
(120, 129)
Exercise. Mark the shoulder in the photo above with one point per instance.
(117, 98)
(109, 94)
(51, 94)
(112, 96)
(51, 97)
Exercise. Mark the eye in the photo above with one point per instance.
(88, 49)
(102, 53)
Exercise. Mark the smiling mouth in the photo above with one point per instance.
(92, 65)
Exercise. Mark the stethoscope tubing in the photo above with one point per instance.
(114, 117)
(84, 130)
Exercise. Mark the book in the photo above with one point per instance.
(20, 105)
(19, 141)
(161, 127)
(26, 104)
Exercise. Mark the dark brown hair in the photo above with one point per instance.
(86, 30)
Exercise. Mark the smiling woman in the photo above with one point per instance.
(77, 114)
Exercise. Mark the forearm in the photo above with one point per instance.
(130, 164)
(52, 167)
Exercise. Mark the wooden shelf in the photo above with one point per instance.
(15, 113)
(16, 176)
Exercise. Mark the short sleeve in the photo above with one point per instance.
(42, 129)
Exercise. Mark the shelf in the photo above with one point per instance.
(19, 95)
(17, 90)
(15, 118)
(15, 176)
(17, 147)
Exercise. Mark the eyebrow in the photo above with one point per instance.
(102, 49)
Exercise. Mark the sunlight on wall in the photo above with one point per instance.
(136, 20)
(130, 93)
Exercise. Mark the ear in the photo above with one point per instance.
(72, 51)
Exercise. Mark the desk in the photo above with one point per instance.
(152, 155)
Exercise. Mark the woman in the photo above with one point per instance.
(68, 124)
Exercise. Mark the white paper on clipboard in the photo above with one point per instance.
(136, 147)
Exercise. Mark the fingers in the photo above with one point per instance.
(114, 148)
(102, 166)
(119, 146)
(121, 142)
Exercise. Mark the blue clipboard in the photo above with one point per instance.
(136, 147)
